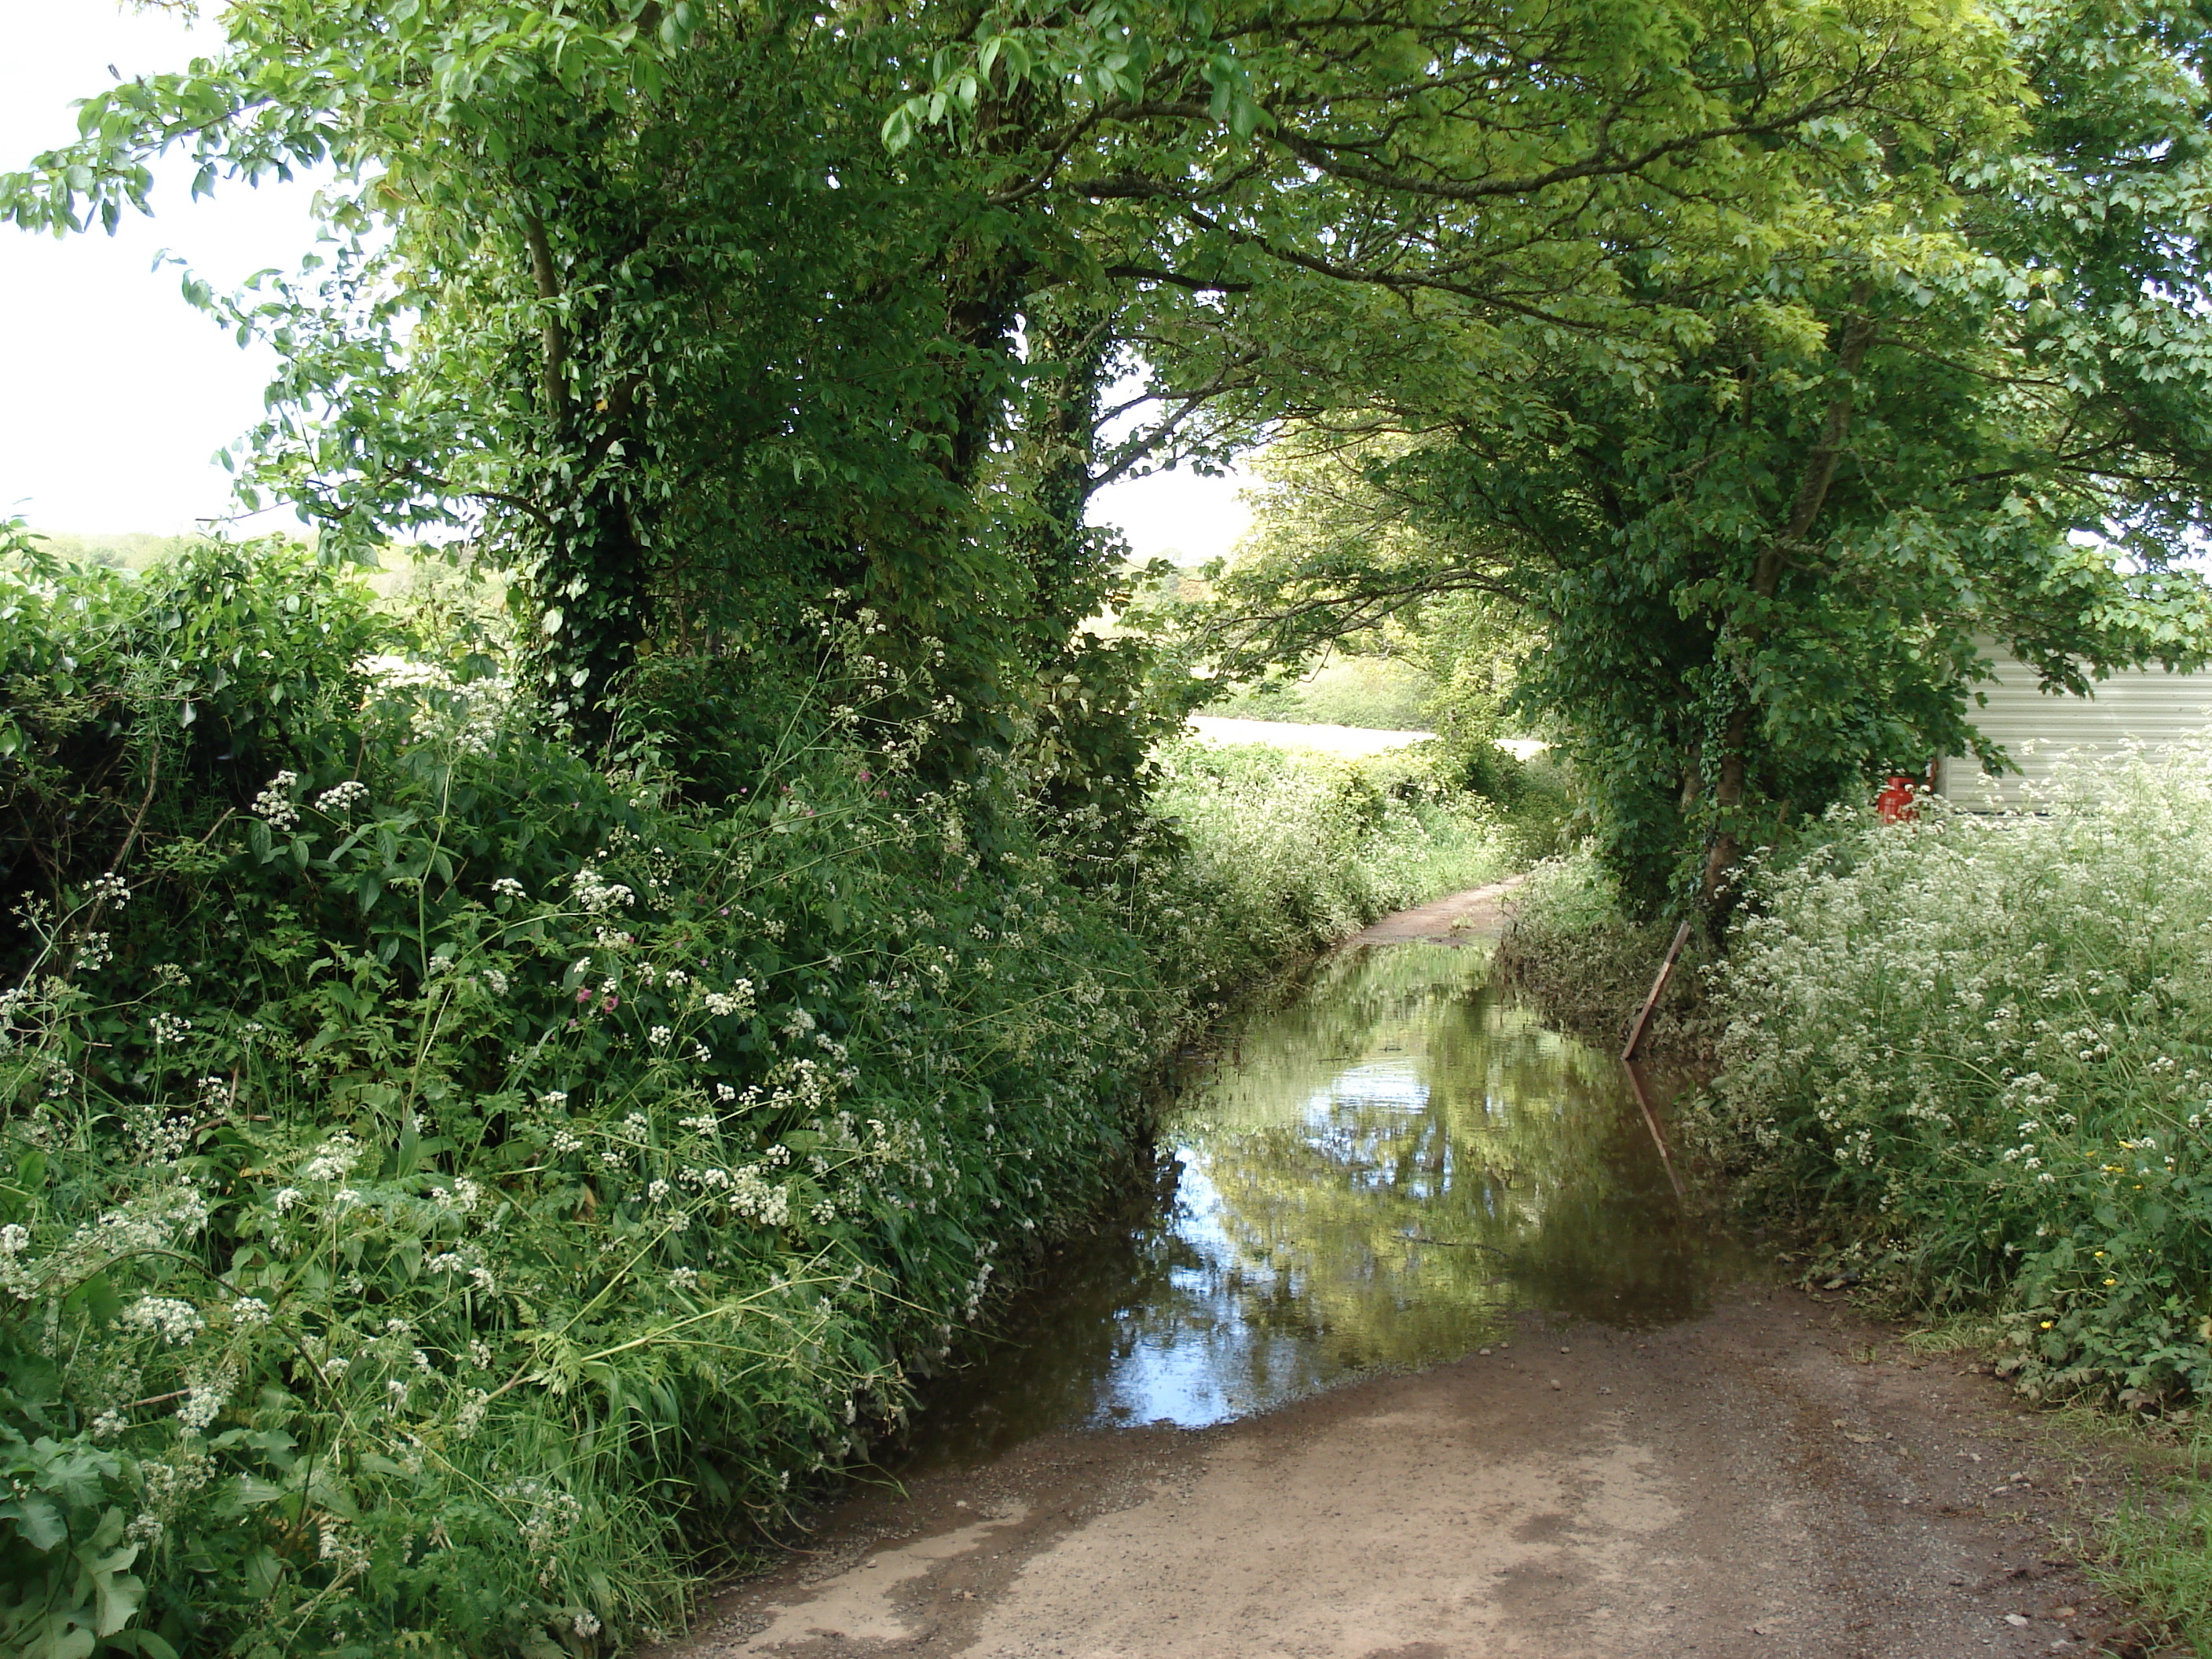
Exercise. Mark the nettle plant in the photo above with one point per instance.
(444, 1185)
(1979, 1044)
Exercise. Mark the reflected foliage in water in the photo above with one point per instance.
(1385, 1160)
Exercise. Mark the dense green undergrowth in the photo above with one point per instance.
(1978, 1054)
(453, 1191)
(1574, 954)
(1283, 852)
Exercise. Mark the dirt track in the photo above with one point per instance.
(1775, 1479)
(1751, 1484)
(1456, 919)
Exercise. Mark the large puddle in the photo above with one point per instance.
(1382, 1163)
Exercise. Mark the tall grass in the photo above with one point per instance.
(1385, 693)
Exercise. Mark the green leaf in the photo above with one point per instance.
(38, 1521)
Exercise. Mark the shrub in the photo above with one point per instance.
(435, 1168)
(1977, 1050)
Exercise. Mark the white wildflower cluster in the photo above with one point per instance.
(342, 1547)
(334, 1159)
(466, 717)
(165, 1485)
(160, 1220)
(595, 895)
(546, 1516)
(471, 1415)
(1983, 1025)
(274, 806)
(93, 951)
(735, 1000)
(168, 1029)
(172, 1318)
(109, 890)
(747, 1192)
(16, 1277)
(205, 1396)
(507, 887)
(161, 1135)
(342, 799)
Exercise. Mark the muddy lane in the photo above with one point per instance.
(1418, 1351)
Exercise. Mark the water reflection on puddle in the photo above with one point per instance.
(1381, 1163)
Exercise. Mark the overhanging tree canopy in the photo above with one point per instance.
(1764, 570)
(686, 308)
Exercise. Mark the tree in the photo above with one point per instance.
(1766, 570)
(694, 314)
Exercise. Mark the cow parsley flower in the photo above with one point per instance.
(174, 1320)
(274, 805)
(342, 798)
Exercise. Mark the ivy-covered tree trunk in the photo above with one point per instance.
(1055, 460)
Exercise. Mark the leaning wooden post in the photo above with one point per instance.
(1658, 989)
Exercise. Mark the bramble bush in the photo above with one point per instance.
(1976, 1050)
(450, 1189)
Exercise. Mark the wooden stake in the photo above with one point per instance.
(1651, 1123)
(1658, 990)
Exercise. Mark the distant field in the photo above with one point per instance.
(1293, 734)
(1328, 740)
(1365, 693)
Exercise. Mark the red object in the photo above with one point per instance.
(1896, 804)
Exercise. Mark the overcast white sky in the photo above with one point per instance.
(122, 393)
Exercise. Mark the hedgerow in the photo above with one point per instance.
(1975, 1051)
(452, 1189)
(1283, 853)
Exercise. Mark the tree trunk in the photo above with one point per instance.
(1727, 848)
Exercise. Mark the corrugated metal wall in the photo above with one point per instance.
(2150, 706)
